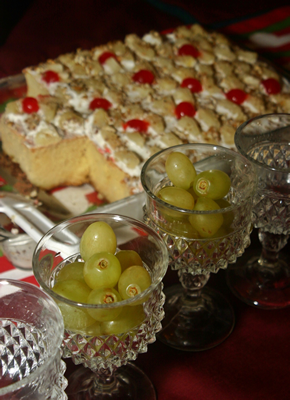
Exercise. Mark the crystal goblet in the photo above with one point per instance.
(196, 317)
(107, 350)
(31, 333)
(262, 277)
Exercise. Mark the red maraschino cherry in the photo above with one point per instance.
(237, 96)
(188, 50)
(50, 76)
(30, 105)
(99, 102)
(185, 109)
(192, 84)
(144, 76)
(167, 31)
(271, 85)
(138, 125)
(104, 56)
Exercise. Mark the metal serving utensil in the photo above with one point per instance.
(35, 224)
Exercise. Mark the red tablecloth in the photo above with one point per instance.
(253, 363)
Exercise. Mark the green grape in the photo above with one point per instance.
(213, 184)
(127, 258)
(72, 270)
(130, 317)
(177, 197)
(133, 281)
(180, 170)
(94, 329)
(171, 216)
(223, 203)
(102, 270)
(104, 296)
(206, 224)
(193, 194)
(228, 216)
(75, 318)
(182, 229)
(73, 290)
(221, 232)
(99, 236)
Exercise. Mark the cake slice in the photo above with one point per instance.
(48, 153)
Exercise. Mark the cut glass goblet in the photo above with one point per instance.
(106, 349)
(262, 277)
(31, 333)
(197, 317)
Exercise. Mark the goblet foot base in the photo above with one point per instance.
(130, 383)
(258, 286)
(195, 325)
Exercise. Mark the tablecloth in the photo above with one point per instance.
(253, 363)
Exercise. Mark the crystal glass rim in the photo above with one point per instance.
(197, 145)
(25, 381)
(239, 135)
(94, 217)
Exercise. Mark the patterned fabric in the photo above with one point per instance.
(266, 32)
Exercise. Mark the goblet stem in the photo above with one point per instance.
(271, 246)
(196, 317)
(126, 382)
(193, 284)
(105, 381)
(262, 278)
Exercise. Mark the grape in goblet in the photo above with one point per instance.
(31, 332)
(204, 217)
(262, 277)
(107, 326)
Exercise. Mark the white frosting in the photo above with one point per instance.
(80, 103)
(40, 127)
(154, 40)
(132, 172)
(16, 118)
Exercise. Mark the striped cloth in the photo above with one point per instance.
(267, 32)
(7, 271)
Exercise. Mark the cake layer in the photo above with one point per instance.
(97, 115)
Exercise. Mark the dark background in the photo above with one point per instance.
(35, 30)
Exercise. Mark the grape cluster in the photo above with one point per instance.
(106, 275)
(203, 192)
